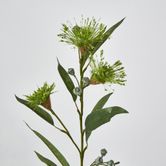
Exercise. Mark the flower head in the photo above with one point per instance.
(41, 96)
(84, 35)
(102, 72)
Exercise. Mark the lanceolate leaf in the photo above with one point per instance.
(38, 110)
(106, 35)
(99, 117)
(67, 80)
(100, 104)
(45, 160)
(52, 148)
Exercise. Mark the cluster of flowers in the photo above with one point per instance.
(85, 37)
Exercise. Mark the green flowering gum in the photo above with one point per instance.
(102, 72)
(84, 35)
(41, 96)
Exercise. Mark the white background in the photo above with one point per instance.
(28, 49)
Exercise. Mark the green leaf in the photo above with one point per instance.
(52, 148)
(106, 35)
(100, 104)
(99, 117)
(67, 80)
(38, 110)
(45, 160)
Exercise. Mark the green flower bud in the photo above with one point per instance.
(103, 152)
(85, 81)
(110, 163)
(71, 71)
(77, 91)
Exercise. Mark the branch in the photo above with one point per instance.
(87, 64)
(76, 80)
(63, 131)
(77, 108)
(117, 163)
(66, 131)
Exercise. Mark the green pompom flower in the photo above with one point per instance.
(41, 96)
(84, 36)
(102, 72)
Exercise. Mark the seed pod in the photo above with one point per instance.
(110, 163)
(103, 152)
(77, 91)
(98, 161)
(85, 81)
(71, 71)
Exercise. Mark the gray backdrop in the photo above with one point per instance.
(28, 49)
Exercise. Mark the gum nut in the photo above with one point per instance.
(110, 163)
(86, 81)
(71, 71)
(77, 91)
(103, 152)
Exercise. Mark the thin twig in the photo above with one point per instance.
(77, 108)
(76, 80)
(63, 131)
(81, 114)
(66, 130)
(85, 148)
(87, 64)
(117, 163)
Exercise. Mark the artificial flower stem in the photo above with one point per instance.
(63, 131)
(77, 108)
(81, 113)
(84, 70)
(66, 130)
(76, 80)
(85, 148)
(117, 163)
